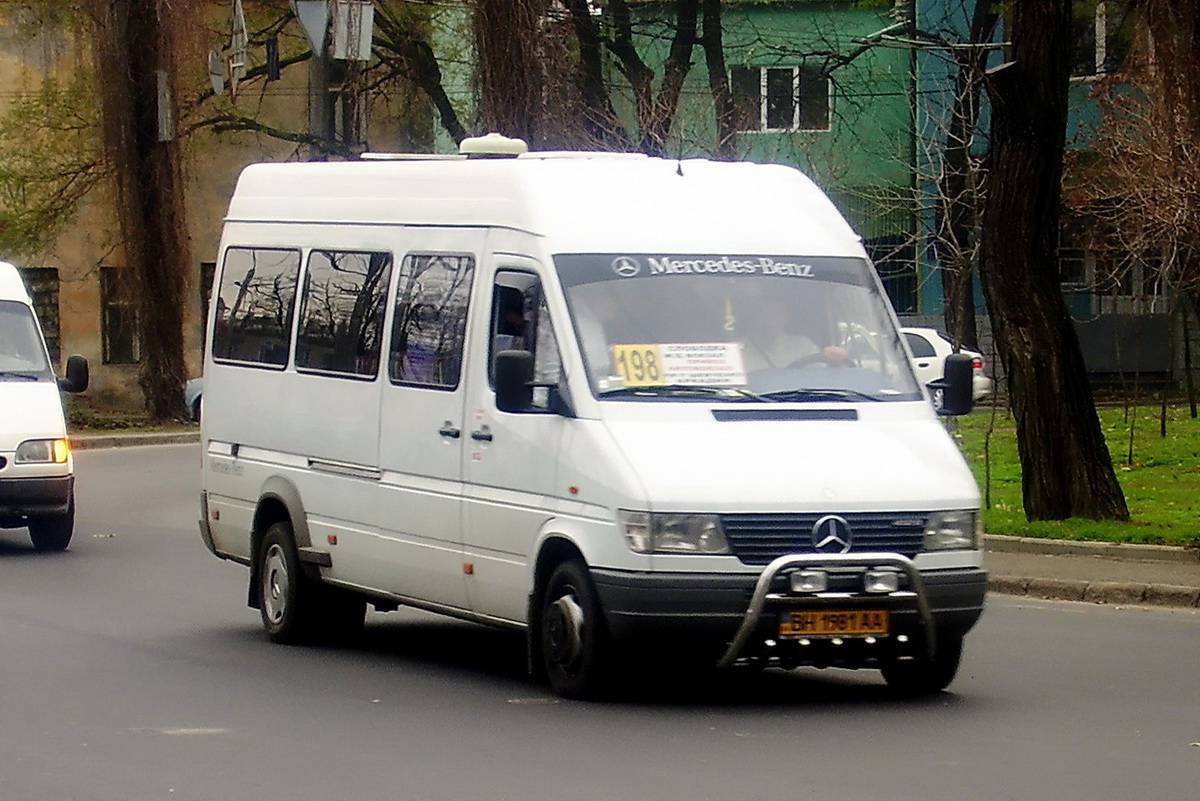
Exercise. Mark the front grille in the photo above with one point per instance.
(757, 539)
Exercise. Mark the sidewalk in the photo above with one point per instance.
(1099, 572)
(1106, 573)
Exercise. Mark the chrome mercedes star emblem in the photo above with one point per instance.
(831, 534)
(626, 267)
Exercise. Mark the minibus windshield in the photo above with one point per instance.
(734, 328)
(22, 356)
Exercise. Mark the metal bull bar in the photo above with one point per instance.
(866, 560)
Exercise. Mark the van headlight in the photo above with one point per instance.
(950, 531)
(657, 532)
(42, 451)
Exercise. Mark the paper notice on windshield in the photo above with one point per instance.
(705, 364)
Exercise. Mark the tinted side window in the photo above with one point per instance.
(341, 318)
(920, 347)
(431, 319)
(254, 305)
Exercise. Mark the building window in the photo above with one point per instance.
(1101, 36)
(780, 98)
(119, 322)
(42, 283)
(1101, 278)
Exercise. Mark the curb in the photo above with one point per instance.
(89, 442)
(1118, 593)
(1111, 550)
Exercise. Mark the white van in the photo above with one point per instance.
(624, 404)
(37, 480)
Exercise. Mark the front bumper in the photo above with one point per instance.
(741, 613)
(35, 497)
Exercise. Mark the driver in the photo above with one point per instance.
(770, 343)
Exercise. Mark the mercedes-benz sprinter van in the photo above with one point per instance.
(627, 405)
(37, 481)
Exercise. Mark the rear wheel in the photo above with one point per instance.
(926, 676)
(574, 641)
(53, 532)
(294, 607)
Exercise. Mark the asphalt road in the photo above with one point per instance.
(130, 668)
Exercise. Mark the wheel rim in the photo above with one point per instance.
(275, 584)
(564, 631)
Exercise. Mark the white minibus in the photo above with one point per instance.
(37, 479)
(636, 408)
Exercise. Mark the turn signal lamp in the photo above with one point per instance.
(43, 451)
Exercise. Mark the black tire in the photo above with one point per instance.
(574, 640)
(53, 532)
(285, 594)
(295, 608)
(914, 677)
(341, 614)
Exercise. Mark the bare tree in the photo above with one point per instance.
(136, 50)
(959, 185)
(1066, 469)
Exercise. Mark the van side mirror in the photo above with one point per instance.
(513, 377)
(77, 375)
(952, 392)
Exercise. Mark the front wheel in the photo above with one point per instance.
(573, 636)
(926, 676)
(53, 532)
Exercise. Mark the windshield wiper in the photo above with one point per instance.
(22, 375)
(681, 390)
(821, 394)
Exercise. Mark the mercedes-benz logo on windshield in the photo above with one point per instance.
(831, 534)
(626, 267)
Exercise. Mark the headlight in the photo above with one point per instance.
(42, 451)
(647, 532)
(949, 531)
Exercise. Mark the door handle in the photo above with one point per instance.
(448, 429)
(483, 434)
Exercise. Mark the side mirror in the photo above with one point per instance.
(952, 392)
(514, 380)
(77, 375)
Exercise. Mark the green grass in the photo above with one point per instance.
(86, 416)
(1161, 482)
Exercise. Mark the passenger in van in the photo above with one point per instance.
(771, 342)
(598, 328)
(512, 326)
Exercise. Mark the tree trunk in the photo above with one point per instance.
(405, 39)
(508, 67)
(599, 119)
(958, 196)
(655, 115)
(1066, 469)
(134, 42)
(718, 81)
(675, 70)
